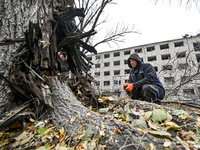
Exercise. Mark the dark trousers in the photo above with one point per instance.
(149, 93)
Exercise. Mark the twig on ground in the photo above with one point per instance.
(182, 143)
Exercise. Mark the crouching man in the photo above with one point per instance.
(143, 81)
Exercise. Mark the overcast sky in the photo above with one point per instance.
(156, 22)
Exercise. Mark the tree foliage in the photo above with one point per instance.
(96, 18)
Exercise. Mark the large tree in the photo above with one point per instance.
(32, 32)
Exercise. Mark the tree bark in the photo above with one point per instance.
(66, 107)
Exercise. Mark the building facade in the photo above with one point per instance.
(175, 61)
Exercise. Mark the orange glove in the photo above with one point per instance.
(125, 86)
(129, 87)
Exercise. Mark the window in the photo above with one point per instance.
(116, 72)
(171, 92)
(156, 68)
(125, 62)
(116, 63)
(98, 57)
(139, 50)
(181, 55)
(97, 83)
(188, 91)
(96, 74)
(196, 46)
(117, 82)
(178, 44)
(107, 64)
(199, 91)
(106, 55)
(106, 73)
(126, 71)
(149, 49)
(169, 79)
(167, 67)
(198, 58)
(90, 58)
(97, 65)
(106, 83)
(164, 46)
(165, 57)
(153, 58)
(116, 54)
(126, 81)
(185, 78)
(127, 52)
(183, 66)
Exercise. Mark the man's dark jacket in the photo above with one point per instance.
(144, 73)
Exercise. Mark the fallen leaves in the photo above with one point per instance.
(157, 122)
(116, 131)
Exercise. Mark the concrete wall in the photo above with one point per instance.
(165, 53)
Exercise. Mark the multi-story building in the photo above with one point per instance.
(175, 61)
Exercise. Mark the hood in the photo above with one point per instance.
(136, 57)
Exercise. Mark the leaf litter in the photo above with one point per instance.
(42, 135)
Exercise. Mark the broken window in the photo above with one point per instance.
(98, 83)
(97, 65)
(165, 57)
(98, 57)
(116, 54)
(126, 71)
(125, 62)
(196, 46)
(116, 72)
(106, 73)
(178, 44)
(149, 49)
(90, 58)
(183, 66)
(107, 64)
(127, 52)
(189, 91)
(106, 55)
(156, 68)
(167, 67)
(117, 82)
(96, 74)
(139, 50)
(169, 79)
(181, 55)
(153, 58)
(164, 46)
(116, 63)
(198, 58)
(106, 83)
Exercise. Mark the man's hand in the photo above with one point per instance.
(125, 86)
(129, 87)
